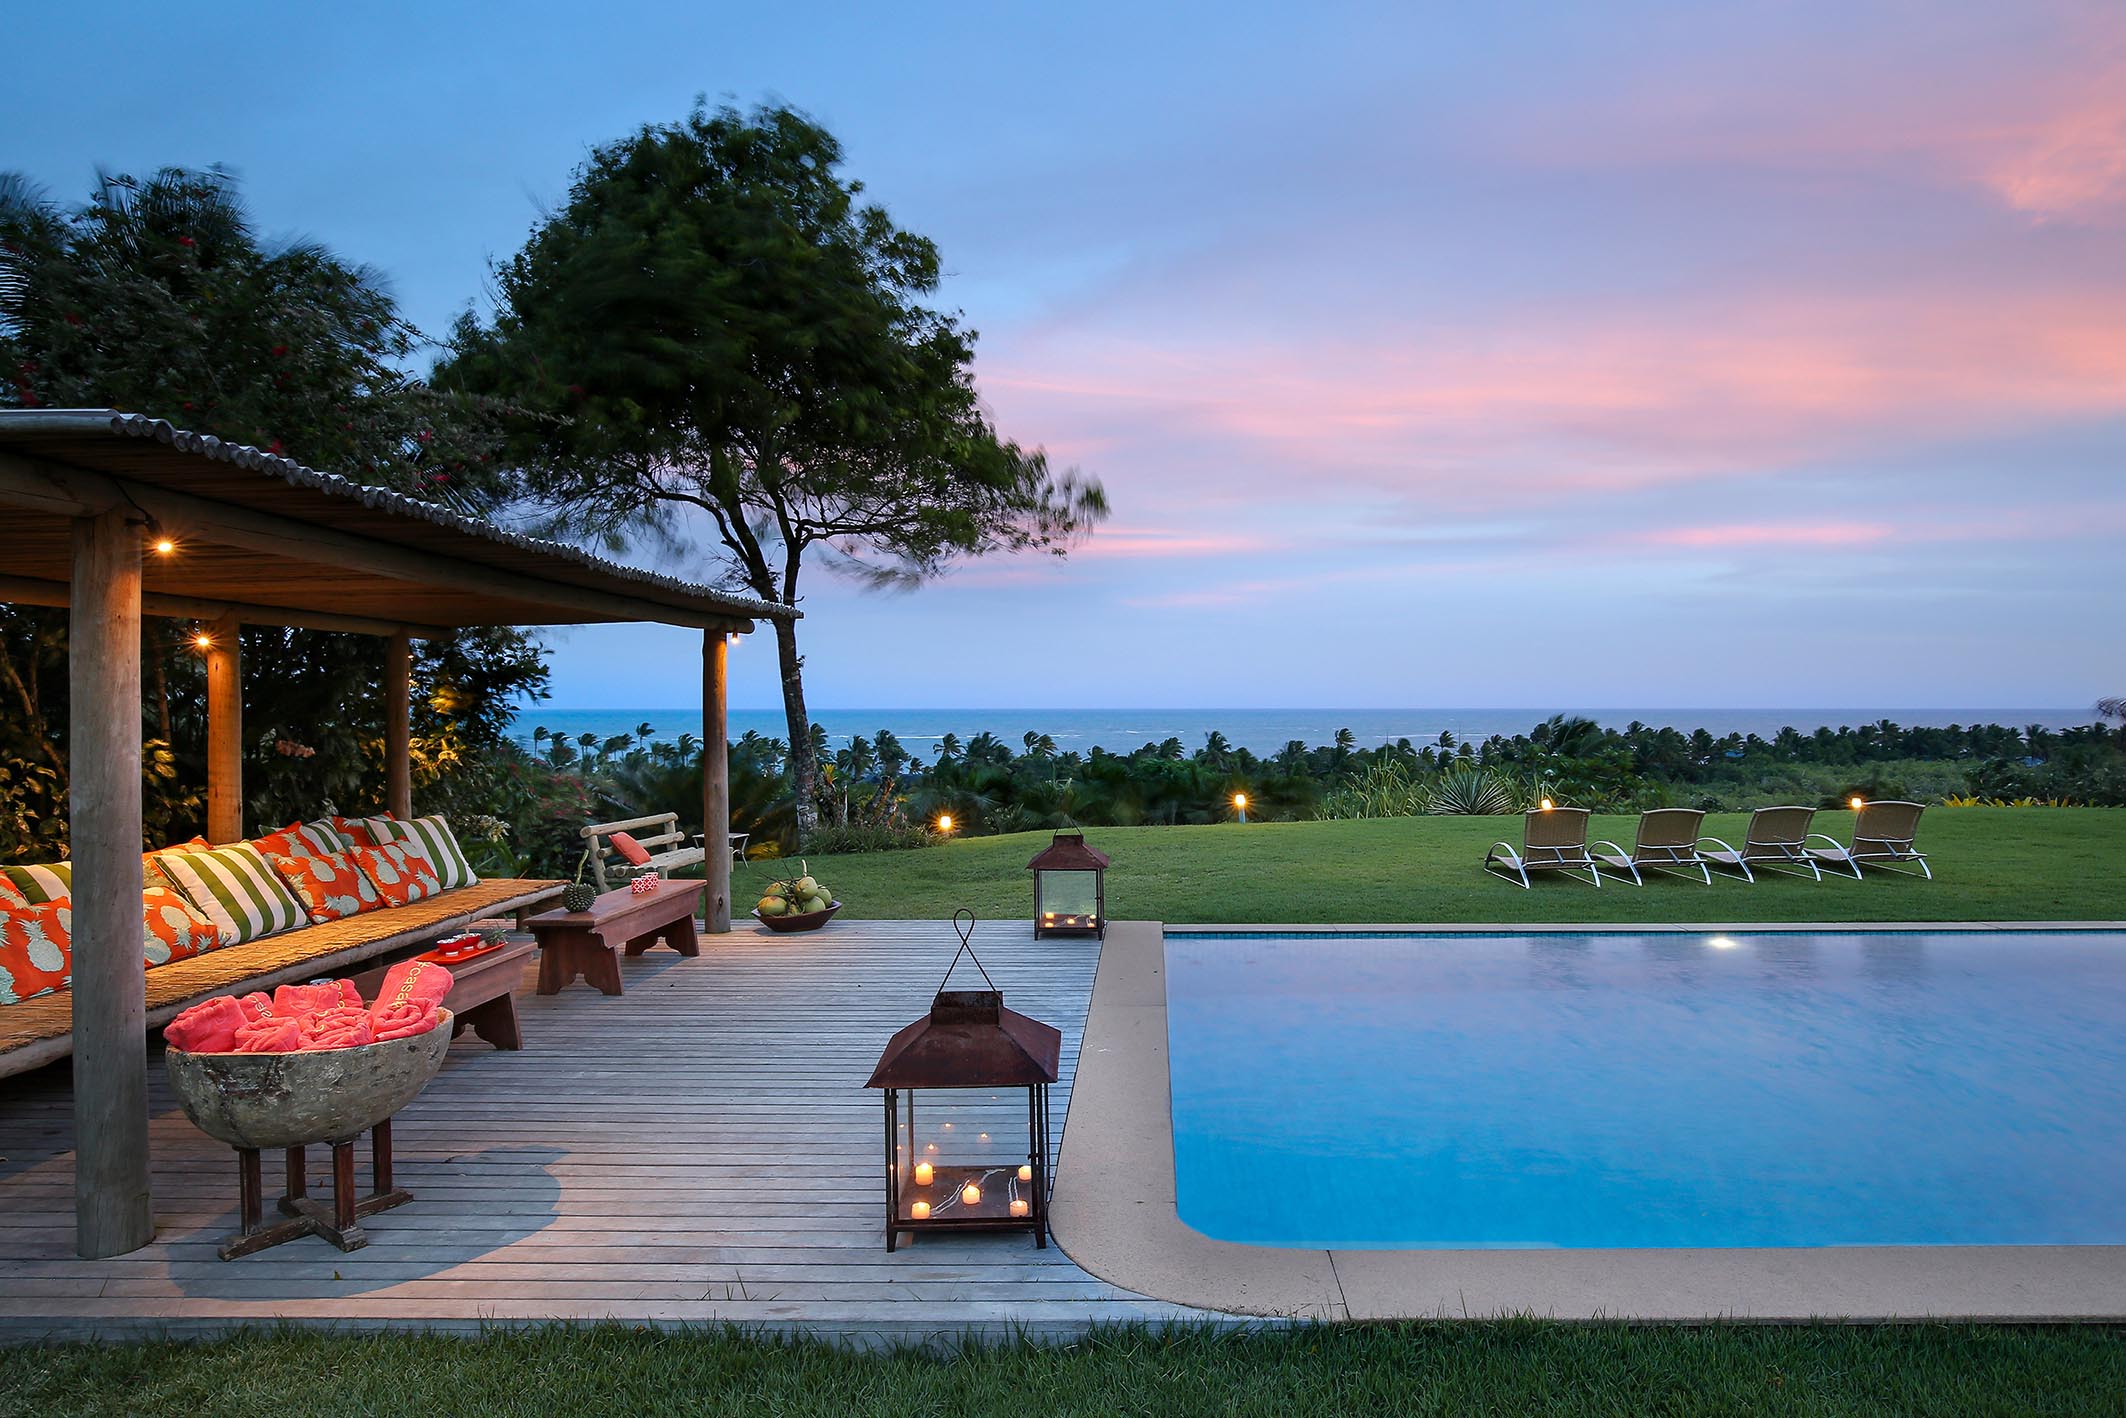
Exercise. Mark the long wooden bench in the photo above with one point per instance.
(38, 1031)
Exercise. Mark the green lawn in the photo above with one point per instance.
(1510, 1368)
(1990, 864)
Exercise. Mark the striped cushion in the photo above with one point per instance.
(302, 839)
(42, 884)
(235, 889)
(444, 853)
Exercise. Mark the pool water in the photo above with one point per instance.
(1553, 1090)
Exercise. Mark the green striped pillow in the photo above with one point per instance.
(444, 854)
(42, 884)
(383, 829)
(236, 889)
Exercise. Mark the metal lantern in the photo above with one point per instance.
(1069, 888)
(960, 1168)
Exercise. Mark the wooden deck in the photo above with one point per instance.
(699, 1150)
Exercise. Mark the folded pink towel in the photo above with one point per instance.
(402, 1021)
(308, 999)
(276, 1034)
(256, 1005)
(416, 982)
(208, 1027)
(342, 1028)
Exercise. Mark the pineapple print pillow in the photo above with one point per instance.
(328, 884)
(401, 871)
(36, 950)
(171, 928)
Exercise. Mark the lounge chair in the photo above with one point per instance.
(1882, 833)
(1777, 840)
(1667, 841)
(1552, 839)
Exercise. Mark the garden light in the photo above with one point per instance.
(1548, 805)
(945, 822)
(1857, 804)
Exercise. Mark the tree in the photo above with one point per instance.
(156, 296)
(743, 357)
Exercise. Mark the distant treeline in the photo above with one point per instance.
(876, 793)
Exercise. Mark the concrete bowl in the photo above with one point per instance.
(319, 1095)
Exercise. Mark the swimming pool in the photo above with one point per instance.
(1416, 1091)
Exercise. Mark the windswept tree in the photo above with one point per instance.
(746, 365)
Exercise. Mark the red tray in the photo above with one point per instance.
(464, 953)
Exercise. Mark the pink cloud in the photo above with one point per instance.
(1819, 534)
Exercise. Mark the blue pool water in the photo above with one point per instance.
(1552, 1090)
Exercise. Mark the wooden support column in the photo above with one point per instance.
(715, 782)
(225, 735)
(112, 1210)
(398, 725)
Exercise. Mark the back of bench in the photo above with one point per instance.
(667, 835)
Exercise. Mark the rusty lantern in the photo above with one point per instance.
(969, 1057)
(1069, 888)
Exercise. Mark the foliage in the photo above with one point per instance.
(728, 338)
(871, 837)
(157, 296)
(1469, 791)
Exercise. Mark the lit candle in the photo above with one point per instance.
(948, 1127)
(923, 1174)
(1018, 1206)
(930, 1147)
(971, 1195)
(984, 1137)
(1026, 1171)
(920, 1211)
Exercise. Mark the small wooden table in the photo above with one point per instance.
(481, 991)
(588, 943)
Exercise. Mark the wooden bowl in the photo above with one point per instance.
(316, 1095)
(809, 921)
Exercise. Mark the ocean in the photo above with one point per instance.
(1262, 731)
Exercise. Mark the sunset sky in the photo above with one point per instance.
(1753, 354)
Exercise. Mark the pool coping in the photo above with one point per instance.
(1114, 1212)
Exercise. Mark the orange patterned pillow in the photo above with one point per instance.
(36, 950)
(11, 897)
(171, 928)
(401, 871)
(330, 886)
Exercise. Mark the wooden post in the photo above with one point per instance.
(113, 1213)
(398, 726)
(715, 783)
(225, 735)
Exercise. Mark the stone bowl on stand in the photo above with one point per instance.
(262, 1101)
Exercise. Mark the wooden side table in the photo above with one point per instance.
(588, 943)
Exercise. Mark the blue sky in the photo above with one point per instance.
(1759, 354)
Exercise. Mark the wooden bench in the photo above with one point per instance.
(659, 830)
(588, 943)
(39, 1031)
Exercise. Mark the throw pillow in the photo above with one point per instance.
(331, 887)
(11, 896)
(631, 851)
(172, 929)
(401, 872)
(36, 950)
(42, 884)
(440, 845)
(236, 889)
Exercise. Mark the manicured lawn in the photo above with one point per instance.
(1990, 864)
(1510, 1368)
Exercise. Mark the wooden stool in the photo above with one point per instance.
(342, 1225)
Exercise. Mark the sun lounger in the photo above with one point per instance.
(1882, 833)
(1667, 841)
(1777, 840)
(1552, 839)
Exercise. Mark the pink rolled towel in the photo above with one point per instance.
(419, 982)
(343, 1028)
(402, 1021)
(298, 1000)
(208, 1027)
(275, 1034)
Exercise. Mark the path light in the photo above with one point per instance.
(968, 1042)
(945, 822)
(1240, 805)
(1069, 888)
(1857, 803)
(1549, 806)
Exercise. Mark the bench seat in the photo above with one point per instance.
(38, 1031)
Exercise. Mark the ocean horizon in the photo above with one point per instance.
(1261, 731)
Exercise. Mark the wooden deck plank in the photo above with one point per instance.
(700, 1149)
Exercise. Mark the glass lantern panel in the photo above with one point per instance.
(962, 1136)
(1069, 893)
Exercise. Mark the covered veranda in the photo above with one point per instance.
(117, 517)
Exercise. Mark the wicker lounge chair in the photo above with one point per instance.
(1777, 840)
(1667, 841)
(1882, 834)
(1552, 839)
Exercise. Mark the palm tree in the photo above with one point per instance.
(948, 748)
(2112, 707)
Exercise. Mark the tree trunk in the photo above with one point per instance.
(804, 767)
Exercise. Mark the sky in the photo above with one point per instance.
(1767, 353)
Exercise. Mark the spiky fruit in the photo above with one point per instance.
(578, 896)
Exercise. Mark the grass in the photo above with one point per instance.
(1513, 1367)
(1990, 864)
